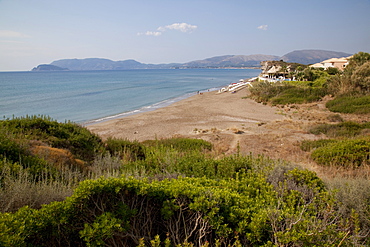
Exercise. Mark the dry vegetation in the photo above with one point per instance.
(282, 139)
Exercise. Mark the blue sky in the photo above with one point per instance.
(34, 32)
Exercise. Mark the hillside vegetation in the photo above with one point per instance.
(61, 185)
(350, 143)
(170, 191)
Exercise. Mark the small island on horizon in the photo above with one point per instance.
(48, 67)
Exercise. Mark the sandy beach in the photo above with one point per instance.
(232, 123)
(227, 120)
(198, 114)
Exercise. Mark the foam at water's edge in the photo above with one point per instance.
(152, 107)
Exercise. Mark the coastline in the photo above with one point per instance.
(87, 96)
(201, 113)
(230, 121)
(148, 108)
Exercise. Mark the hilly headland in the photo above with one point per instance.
(227, 61)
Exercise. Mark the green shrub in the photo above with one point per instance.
(102, 229)
(308, 145)
(125, 148)
(332, 70)
(306, 178)
(163, 162)
(80, 141)
(182, 144)
(121, 212)
(127, 212)
(15, 151)
(357, 60)
(234, 200)
(293, 178)
(355, 77)
(344, 129)
(287, 93)
(361, 78)
(312, 74)
(353, 196)
(264, 91)
(169, 158)
(349, 153)
(298, 96)
(335, 118)
(9, 148)
(350, 104)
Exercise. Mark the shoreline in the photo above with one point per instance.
(148, 108)
(232, 122)
(85, 97)
(198, 114)
(170, 101)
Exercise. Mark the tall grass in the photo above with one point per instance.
(159, 159)
(344, 129)
(287, 93)
(353, 195)
(183, 144)
(18, 187)
(359, 104)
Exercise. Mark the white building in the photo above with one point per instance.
(339, 63)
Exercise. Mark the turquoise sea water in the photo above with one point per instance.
(88, 96)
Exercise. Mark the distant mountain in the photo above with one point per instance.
(311, 56)
(106, 64)
(301, 56)
(96, 64)
(48, 67)
(231, 61)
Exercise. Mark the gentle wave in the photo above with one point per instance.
(87, 97)
(148, 108)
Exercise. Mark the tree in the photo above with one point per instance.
(360, 58)
(355, 78)
(361, 77)
(357, 60)
(332, 71)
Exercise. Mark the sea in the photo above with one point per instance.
(87, 97)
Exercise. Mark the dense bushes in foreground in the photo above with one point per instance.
(296, 210)
(171, 191)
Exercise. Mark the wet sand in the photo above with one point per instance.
(198, 114)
